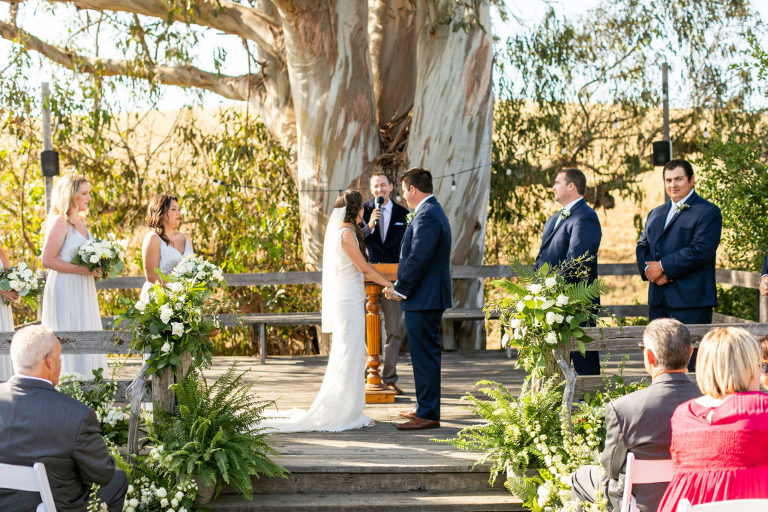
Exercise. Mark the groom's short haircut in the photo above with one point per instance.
(682, 163)
(29, 347)
(575, 176)
(419, 178)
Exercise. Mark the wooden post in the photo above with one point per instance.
(375, 391)
(164, 397)
(762, 308)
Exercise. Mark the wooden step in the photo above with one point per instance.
(422, 501)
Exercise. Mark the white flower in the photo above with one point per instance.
(548, 303)
(177, 328)
(562, 300)
(520, 306)
(552, 338)
(175, 287)
(163, 501)
(141, 306)
(134, 502)
(179, 495)
(165, 313)
(550, 282)
(166, 347)
(162, 493)
(174, 502)
(534, 288)
(515, 323)
(94, 258)
(568, 319)
(550, 317)
(559, 318)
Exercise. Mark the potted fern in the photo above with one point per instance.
(213, 435)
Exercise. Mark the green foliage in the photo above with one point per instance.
(737, 301)
(99, 396)
(544, 314)
(585, 91)
(214, 433)
(734, 175)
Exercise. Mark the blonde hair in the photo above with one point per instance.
(727, 362)
(64, 194)
(29, 347)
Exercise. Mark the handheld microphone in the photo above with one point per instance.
(379, 201)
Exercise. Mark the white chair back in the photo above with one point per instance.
(724, 506)
(643, 472)
(32, 479)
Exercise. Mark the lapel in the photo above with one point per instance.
(557, 226)
(674, 218)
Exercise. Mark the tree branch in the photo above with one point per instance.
(232, 87)
(243, 21)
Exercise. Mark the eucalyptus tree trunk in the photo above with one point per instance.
(450, 134)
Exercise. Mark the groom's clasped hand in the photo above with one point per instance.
(391, 295)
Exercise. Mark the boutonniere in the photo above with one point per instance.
(679, 207)
(564, 214)
(409, 217)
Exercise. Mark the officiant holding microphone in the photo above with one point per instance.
(384, 226)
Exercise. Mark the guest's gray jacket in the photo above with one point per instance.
(39, 424)
(639, 423)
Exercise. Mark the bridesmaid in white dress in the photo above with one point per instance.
(69, 298)
(164, 246)
(6, 319)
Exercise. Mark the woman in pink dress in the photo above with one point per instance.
(718, 440)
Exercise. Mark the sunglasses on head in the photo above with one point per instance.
(764, 367)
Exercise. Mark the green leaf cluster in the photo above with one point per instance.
(214, 433)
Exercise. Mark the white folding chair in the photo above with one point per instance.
(724, 506)
(32, 479)
(643, 472)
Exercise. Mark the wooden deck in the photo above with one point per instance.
(377, 468)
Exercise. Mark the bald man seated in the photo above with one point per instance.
(39, 424)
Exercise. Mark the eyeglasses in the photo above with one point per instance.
(764, 367)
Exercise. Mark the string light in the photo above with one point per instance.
(453, 184)
(705, 134)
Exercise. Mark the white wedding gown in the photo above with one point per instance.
(70, 303)
(169, 258)
(339, 403)
(6, 325)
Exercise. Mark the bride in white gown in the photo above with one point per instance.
(164, 247)
(340, 401)
(6, 319)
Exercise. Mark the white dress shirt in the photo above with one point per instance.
(673, 209)
(567, 208)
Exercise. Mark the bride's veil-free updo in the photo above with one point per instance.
(352, 201)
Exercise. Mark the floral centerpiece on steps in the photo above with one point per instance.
(543, 314)
(107, 254)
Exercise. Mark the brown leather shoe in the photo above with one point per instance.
(393, 387)
(418, 424)
(407, 414)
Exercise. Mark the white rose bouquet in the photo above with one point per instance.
(146, 495)
(107, 254)
(543, 313)
(22, 280)
(173, 318)
(198, 270)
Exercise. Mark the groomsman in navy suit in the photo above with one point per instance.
(676, 252)
(424, 287)
(383, 228)
(568, 234)
(764, 277)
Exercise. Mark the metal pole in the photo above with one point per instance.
(665, 111)
(47, 143)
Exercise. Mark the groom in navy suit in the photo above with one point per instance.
(569, 234)
(676, 252)
(424, 288)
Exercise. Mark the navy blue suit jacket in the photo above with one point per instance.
(686, 250)
(765, 266)
(424, 272)
(387, 251)
(577, 234)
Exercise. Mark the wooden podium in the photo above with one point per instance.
(375, 391)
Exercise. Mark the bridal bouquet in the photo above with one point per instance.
(22, 280)
(173, 318)
(197, 270)
(106, 254)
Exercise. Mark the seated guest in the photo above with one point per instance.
(639, 422)
(718, 440)
(39, 424)
(764, 363)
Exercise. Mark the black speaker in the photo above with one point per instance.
(49, 161)
(662, 152)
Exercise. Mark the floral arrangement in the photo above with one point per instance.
(544, 312)
(146, 494)
(22, 280)
(100, 396)
(198, 270)
(174, 317)
(107, 254)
